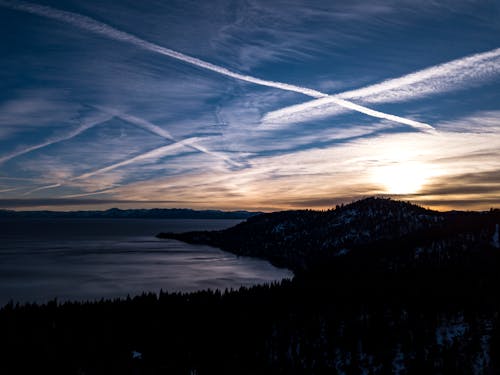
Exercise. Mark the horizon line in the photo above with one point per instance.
(58, 205)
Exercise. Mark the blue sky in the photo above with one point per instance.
(249, 104)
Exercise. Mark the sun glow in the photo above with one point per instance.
(401, 178)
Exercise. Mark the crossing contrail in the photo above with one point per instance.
(139, 122)
(433, 80)
(100, 28)
(155, 129)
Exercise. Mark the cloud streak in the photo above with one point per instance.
(434, 80)
(59, 138)
(100, 28)
(144, 157)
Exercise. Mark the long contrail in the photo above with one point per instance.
(42, 188)
(100, 28)
(59, 138)
(10, 189)
(153, 154)
(480, 66)
(433, 80)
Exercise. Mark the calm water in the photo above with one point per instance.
(80, 259)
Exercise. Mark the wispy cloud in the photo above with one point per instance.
(92, 25)
(478, 122)
(453, 75)
(28, 105)
(314, 177)
(320, 178)
(469, 190)
(258, 32)
(247, 154)
(34, 109)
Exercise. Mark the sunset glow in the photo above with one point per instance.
(248, 106)
(404, 178)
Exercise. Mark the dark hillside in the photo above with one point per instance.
(381, 287)
(391, 234)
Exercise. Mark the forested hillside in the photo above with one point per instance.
(370, 228)
(381, 287)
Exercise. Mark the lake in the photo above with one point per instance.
(88, 259)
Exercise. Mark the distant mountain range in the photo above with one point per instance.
(372, 233)
(115, 213)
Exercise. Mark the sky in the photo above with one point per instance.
(251, 104)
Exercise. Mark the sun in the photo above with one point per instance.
(401, 178)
